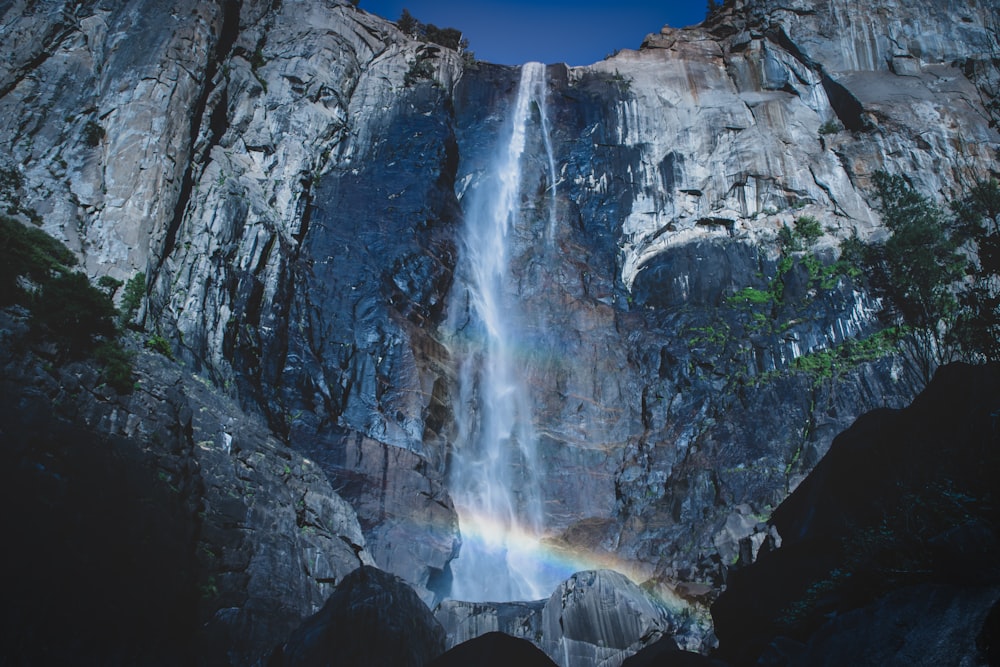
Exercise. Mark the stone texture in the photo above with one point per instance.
(600, 618)
(174, 484)
(463, 621)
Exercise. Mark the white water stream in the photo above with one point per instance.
(494, 466)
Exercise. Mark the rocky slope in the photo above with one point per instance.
(161, 527)
(290, 178)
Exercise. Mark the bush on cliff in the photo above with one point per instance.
(36, 272)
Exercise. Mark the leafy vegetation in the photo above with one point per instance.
(805, 233)
(93, 133)
(36, 272)
(421, 68)
(158, 343)
(919, 262)
(830, 127)
(977, 325)
(450, 38)
(135, 292)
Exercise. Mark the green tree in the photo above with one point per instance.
(918, 267)
(135, 292)
(977, 327)
(407, 23)
(920, 258)
(74, 313)
(28, 253)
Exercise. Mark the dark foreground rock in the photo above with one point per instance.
(373, 618)
(494, 649)
(891, 550)
(161, 527)
(666, 653)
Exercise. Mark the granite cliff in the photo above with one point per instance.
(291, 178)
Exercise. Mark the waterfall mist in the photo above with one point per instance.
(494, 472)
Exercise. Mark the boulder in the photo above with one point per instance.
(598, 616)
(494, 649)
(372, 618)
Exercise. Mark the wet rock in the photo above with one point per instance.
(598, 616)
(372, 617)
(463, 621)
(406, 515)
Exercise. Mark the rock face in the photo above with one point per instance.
(165, 526)
(290, 179)
(890, 545)
(600, 618)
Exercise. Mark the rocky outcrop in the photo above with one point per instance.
(494, 649)
(165, 525)
(373, 618)
(464, 621)
(895, 523)
(600, 618)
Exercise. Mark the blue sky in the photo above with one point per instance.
(577, 32)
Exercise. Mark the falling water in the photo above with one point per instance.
(493, 474)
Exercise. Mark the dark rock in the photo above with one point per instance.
(373, 618)
(494, 649)
(895, 522)
(923, 626)
(165, 526)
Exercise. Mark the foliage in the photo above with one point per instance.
(751, 295)
(117, 366)
(977, 326)
(73, 312)
(93, 133)
(806, 232)
(109, 285)
(28, 253)
(830, 127)
(918, 262)
(135, 292)
(828, 363)
(808, 229)
(450, 38)
(406, 23)
(158, 343)
(421, 68)
(35, 271)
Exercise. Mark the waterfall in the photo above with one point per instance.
(494, 466)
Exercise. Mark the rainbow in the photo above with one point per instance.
(546, 560)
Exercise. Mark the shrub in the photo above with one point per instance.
(830, 127)
(919, 259)
(420, 69)
(135, 292)
(109, 285)
(158, 343)
(73, 312)
(117, 366)
(808, 229)
(27, 253)
(93, 133)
